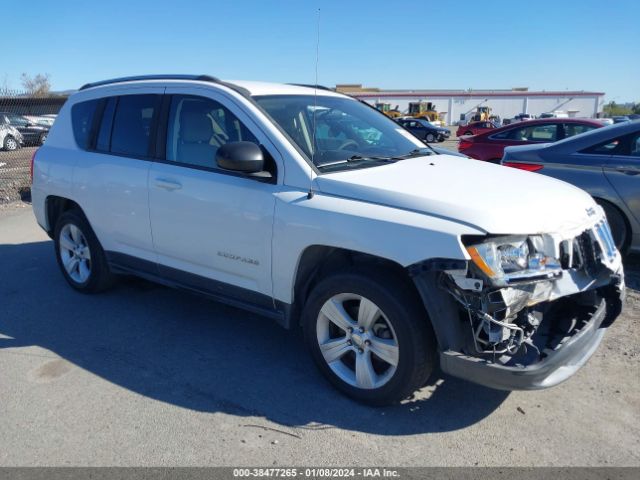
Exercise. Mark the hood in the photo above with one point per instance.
(493, 198)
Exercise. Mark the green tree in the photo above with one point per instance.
(612, 109)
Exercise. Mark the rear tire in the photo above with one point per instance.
(391, 350)
(618, 224)
(80, 255)
(43, 138)
(10, 144)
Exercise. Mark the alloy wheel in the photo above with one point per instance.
(75, 253)
(11, 144)
(357, 341)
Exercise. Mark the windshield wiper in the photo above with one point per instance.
(357, 158)
(419, 152)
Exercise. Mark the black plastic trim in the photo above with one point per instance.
(436, 264)
(556, 367)
(160, 151)
(169, 76)
(222, 292)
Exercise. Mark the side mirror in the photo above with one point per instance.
(245, 157)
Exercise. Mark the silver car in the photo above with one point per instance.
(10, 137)
(605, 162)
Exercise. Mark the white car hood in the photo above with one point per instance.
(493, 198)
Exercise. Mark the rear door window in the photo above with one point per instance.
(626, 146)
(132, 124)
(571, 129)
(531, 133)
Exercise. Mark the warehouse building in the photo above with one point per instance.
(455, 106)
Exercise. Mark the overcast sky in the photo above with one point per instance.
(544, 45)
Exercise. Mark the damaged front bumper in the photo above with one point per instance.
(553, 366)
(530, 334)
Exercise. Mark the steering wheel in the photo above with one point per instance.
(347, 143)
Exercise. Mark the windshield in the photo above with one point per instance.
(345, 130)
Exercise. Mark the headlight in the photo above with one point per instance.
(508, 260)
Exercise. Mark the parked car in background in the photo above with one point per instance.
(40, 120)
(634, 116)
(474, 128)
(620, 119)
(604, 162)
(489, 146)
(554, 114)
(425, 130)
(605, 121)
(32, 134)
(523, 117)
(10, 137)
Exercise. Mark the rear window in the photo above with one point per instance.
(82, 120)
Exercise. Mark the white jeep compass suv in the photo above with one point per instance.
(312, 208)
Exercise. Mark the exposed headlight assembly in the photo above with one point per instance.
(509, 260)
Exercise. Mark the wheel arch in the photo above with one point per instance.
(318, 261)
(55, 206)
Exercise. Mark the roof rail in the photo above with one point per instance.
(202, 78)
(319, 87)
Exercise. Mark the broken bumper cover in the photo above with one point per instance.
(556, 367)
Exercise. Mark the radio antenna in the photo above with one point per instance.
(315, 107)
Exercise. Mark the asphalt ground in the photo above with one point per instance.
(144, 375)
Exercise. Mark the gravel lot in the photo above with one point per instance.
(145, 375)
(14, 174)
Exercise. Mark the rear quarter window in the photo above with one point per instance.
(82, 115)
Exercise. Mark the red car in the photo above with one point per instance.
(475, 128)
(490, 145)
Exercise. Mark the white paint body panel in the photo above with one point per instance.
(490, 197)
(406, 212)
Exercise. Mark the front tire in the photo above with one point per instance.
(79, 254)
(10, 143)
(430, 138)
(42, 139)
(369, 335)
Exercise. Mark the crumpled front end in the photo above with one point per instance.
(524, 312)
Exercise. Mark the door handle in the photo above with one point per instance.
(168, 184)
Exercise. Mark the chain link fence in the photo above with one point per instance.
(25, 121)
